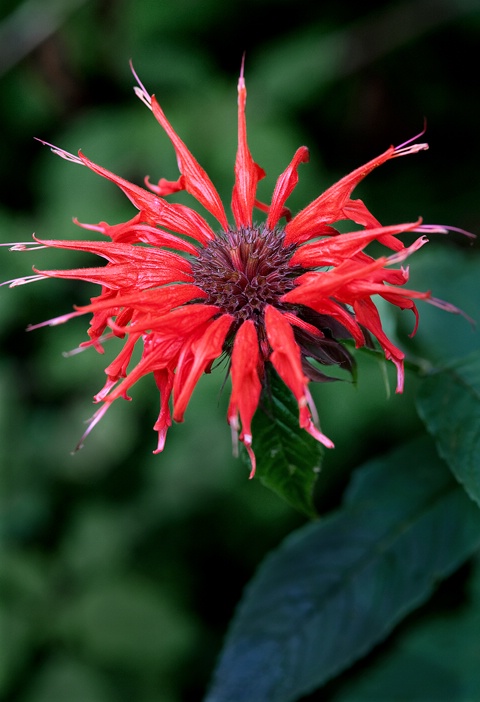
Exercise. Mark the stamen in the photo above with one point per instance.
(92, 422)
(23, 281)
(140, 90)
(88, 345)
(61, 152)
(407, 150)
(412, 139)
(446, 229)
(55, 321)
(24, 246)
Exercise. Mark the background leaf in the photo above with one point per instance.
(288, 459)
(435, 658)
(335, 588)
(449, 404)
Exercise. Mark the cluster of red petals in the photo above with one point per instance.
(149, 296)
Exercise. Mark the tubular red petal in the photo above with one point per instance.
(158, 211)
(286, 359)
(184, 220)
(332, 251)
(285, 186)
(203, 350)
(120, 252)
(316, 285)
(165, 187)
(118, 367)
(171, 327)
(162, 347)
(307, 424)
(164, 380)
(335, 204)
(123, 275)
(295, 321)
(246, 386)
(367, 315)
(195, 179)
(158, 300)
(285, 356)
(247, 172)
(133, 232)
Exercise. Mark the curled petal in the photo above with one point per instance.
(367, 315)
(166, 187)
(164, 380)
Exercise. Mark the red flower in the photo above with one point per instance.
(255, 293)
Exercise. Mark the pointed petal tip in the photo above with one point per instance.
(241, 79)
(247, 442)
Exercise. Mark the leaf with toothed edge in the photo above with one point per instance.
(449, 404)
(288, 458)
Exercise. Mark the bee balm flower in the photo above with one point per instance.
(284, 292)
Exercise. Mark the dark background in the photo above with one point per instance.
(120, 570)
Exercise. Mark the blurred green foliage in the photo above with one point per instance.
(119, 569)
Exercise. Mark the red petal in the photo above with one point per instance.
(158, 211)
(285, 355)
(158, 300)
(285, 186)
(246, 386)
(315, 285)
(164, 380)
(367, 315)
(162, 347)
(286, 359)
(198, 354)
(247, 172)
(116, 276)
(335, 205)
(332, 251)
(166, 187)
(118, 368)
(195, 179)
(134, 232)
(121, 253)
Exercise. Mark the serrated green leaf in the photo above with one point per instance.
(449, 404)
(288, 458)
(337, 587)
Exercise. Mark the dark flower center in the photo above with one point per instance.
(245, 269)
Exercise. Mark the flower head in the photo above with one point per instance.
(285, 292)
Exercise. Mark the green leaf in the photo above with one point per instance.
(288, 458)
(449, 404)
(337, 587)
(435, 658)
